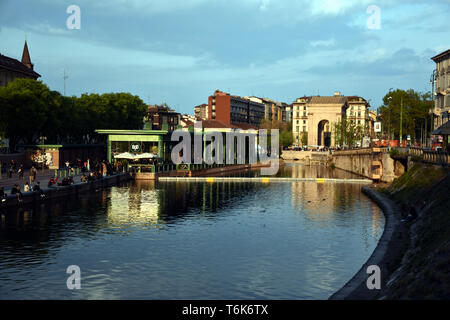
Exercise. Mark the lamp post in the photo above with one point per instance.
(389, 105)
(42, 138)
(432, 82)
(401, 120)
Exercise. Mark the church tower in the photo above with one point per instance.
(26, 57)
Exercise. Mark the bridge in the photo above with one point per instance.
(386, 163)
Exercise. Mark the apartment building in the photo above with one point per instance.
(441, 78)
(232, 109)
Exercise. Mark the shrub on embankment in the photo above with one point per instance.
(425, 270)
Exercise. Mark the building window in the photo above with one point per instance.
(304, 108)
(304, 121)
(304, 128)
(298, 129)
(304, 113)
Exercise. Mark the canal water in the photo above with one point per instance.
(176, 240)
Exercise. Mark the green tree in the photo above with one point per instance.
(408, 107)
(347, 132)
(24, 105)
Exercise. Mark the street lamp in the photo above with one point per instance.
(43, 138)
(432, 82)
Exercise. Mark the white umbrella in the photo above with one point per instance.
(125, 155)
(145, 156)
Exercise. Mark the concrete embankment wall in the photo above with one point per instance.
(370, 163)
(65, 191)
(388, 249)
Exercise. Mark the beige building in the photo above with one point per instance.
(315, 117)
(442, 88)
(358, 113)
(201, 111)
(299, 116)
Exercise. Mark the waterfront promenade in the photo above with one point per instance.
(41, 176)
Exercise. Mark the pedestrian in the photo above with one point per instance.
(16, 190)
(26, 187)
(10, 171)
(37, 188)
(31, 175)
(3, 195)
(34, 173)
(20, 172)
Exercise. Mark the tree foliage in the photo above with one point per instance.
(414, 112)
(29, 110)
(347, 132)
(286, 138)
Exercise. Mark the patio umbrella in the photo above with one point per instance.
(125, 155)
(145, 156)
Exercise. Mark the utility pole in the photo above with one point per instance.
(65, 77)
(401, 120)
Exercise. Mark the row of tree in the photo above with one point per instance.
(29, 110)
(408, 110)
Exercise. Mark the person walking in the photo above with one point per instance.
(26, 187)
(20, 172)
(32, 175)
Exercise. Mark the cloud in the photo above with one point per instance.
(323, 43)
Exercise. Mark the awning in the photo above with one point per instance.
(145, 156)
(125, 155)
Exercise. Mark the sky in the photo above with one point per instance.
(180, 52)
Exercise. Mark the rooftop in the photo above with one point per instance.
(441, 56)
(15, 65)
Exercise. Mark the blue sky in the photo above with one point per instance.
(179, 52)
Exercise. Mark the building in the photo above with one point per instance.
(11, 68)
(234, 109)
(358, 113)
(441, 77)
(288, 112)
(161, 117)
(313, 118)
(299, 116)
(201, 111)
(273, 110)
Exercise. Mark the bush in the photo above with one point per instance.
(394, 152)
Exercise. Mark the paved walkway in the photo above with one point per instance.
(41, 176)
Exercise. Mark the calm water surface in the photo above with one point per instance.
(144, 240)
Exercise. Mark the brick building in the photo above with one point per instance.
(234, 110)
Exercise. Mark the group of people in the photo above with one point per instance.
(91, 170)
(12, 169)
(16, 190)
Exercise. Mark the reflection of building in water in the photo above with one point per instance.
(377, 226)
(133, 205)
(317, 199)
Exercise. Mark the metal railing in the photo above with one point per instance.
(427, 156)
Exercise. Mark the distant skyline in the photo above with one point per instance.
(180, 52)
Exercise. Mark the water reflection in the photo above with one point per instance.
(236, 240)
